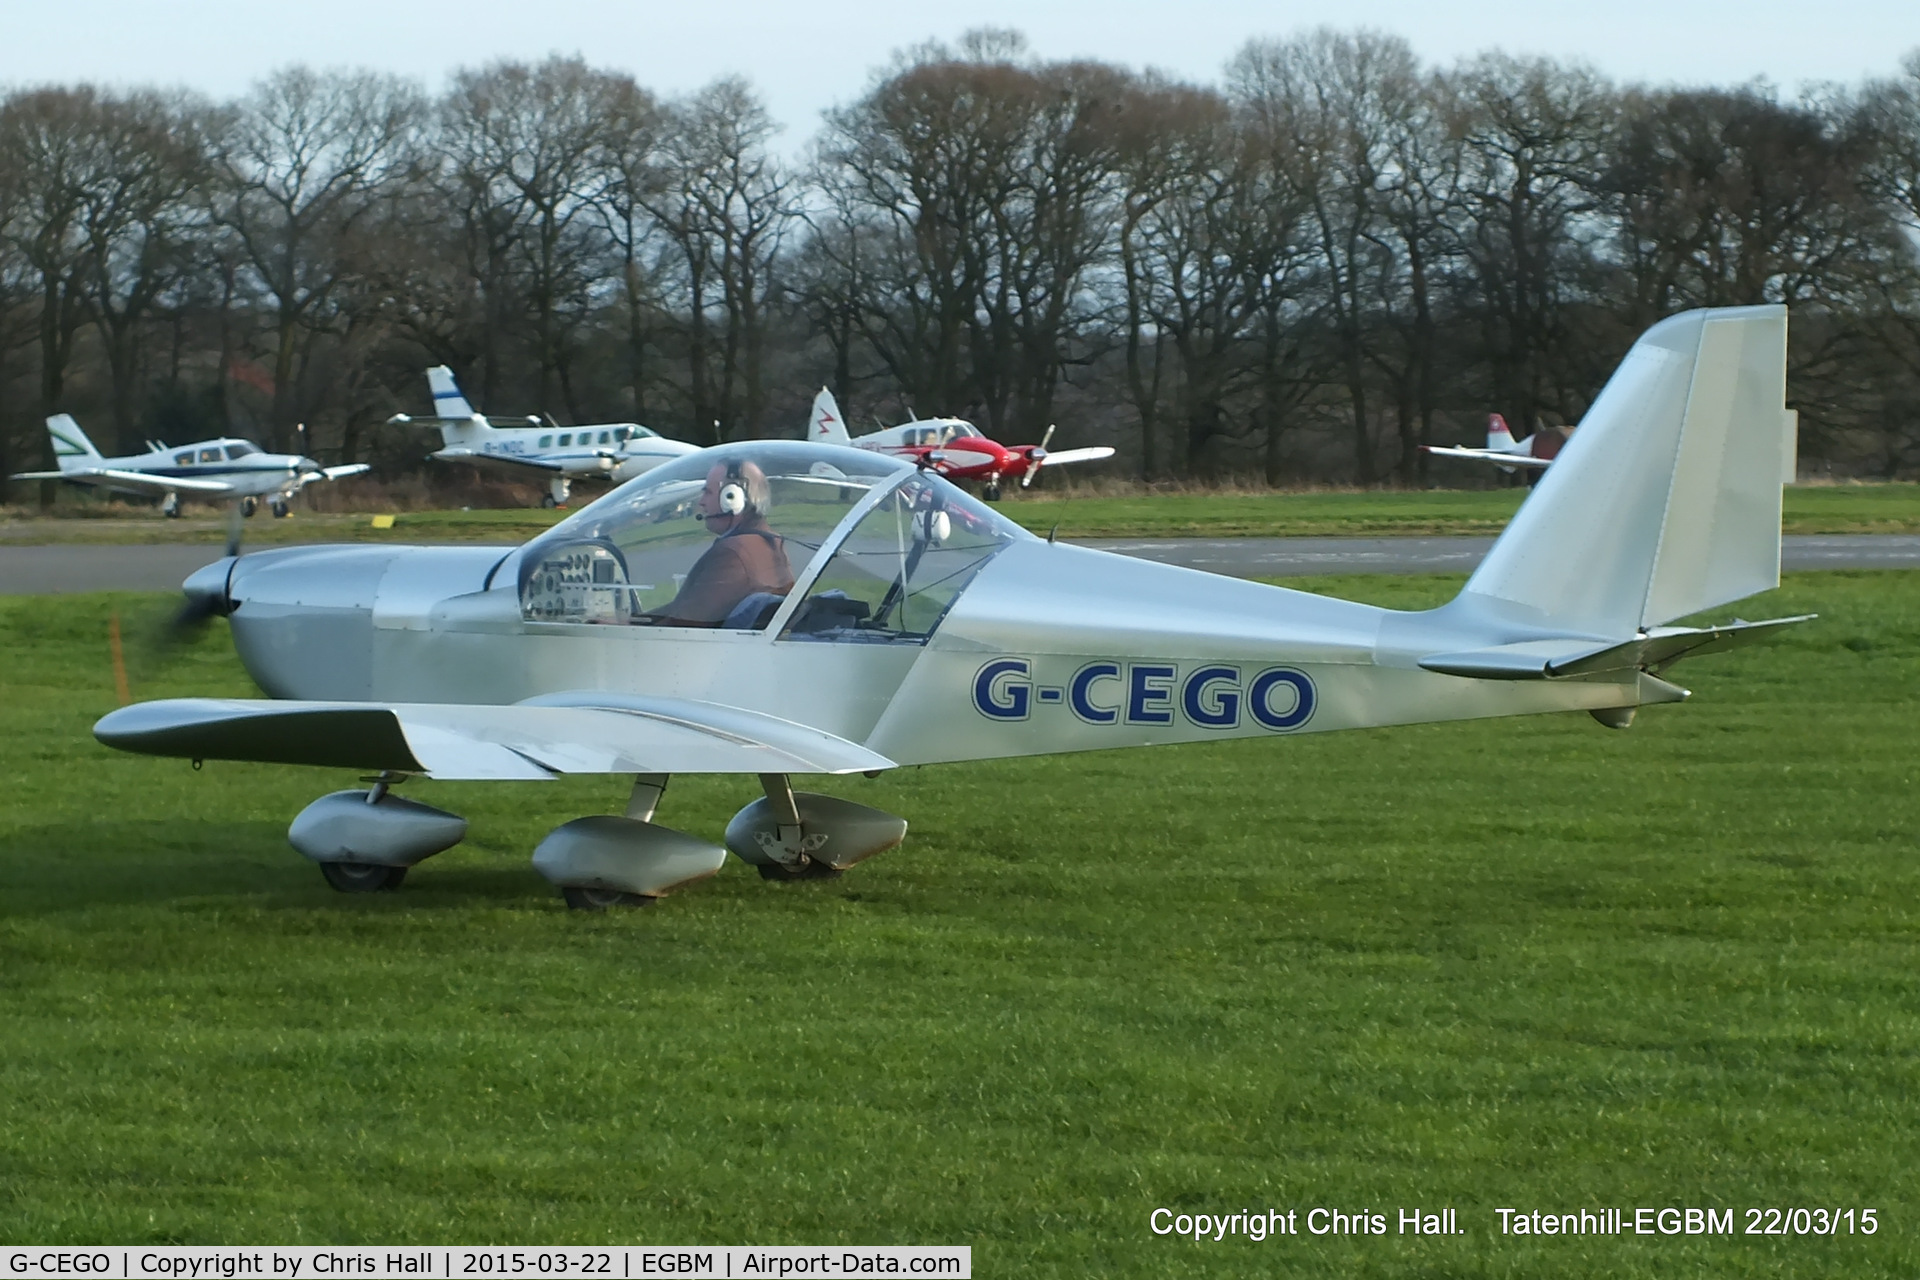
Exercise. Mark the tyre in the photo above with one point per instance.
(248, 506)
(601, 899)
(362, 877)
(806, 871)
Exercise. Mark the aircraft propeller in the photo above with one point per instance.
(1035, 456)
(206, 591)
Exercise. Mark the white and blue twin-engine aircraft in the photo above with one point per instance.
(615, 451)
(771, 608)
(212, 470)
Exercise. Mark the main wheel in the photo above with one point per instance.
(362, 877)
(992, 492)
(601, 899)
(279, 509)
(809, 870)
(248, 506)
(548, 502)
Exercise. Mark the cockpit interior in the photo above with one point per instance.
(878, 549)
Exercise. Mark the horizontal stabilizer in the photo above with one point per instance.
(341, 473)
(590, 732)
(1654, 651)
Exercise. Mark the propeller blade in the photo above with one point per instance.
(236, 526)
(1038, 457)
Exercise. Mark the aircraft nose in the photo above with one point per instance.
(206, 588)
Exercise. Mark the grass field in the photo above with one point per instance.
(1534, 964)
(1876, 508)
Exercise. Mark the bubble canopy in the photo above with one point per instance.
(625, 558)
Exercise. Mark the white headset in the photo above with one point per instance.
(733, 499)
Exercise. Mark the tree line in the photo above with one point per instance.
(1301, 273)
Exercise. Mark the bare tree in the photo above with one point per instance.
(1534, 134)
(48, 149)
(304, 161)
(725, 206)
(1340, 102)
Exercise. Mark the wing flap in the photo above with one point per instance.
(569, 733)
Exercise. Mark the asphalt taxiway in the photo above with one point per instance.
(69, 567)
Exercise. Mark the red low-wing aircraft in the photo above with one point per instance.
(951, 447)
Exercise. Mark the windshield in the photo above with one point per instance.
(901, 568)
(712, 539)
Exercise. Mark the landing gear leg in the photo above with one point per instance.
(557, 492)
(791, 846)
(645, 797)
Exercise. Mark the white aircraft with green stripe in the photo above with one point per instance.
(219, 470)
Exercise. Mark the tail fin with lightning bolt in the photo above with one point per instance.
(826, 425)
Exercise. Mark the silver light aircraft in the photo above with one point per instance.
(212, 470)
(615, 451)
(921, 627)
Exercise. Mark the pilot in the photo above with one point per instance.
(746, 556)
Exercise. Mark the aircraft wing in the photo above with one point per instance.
(137, 481)
(506, 459)
(1491, 455)
(1093, 454)
(588, 732)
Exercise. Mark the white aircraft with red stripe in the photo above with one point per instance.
(951, 447)
(1533, 454)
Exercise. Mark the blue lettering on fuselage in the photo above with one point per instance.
(1105, 692)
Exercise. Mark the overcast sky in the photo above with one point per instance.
(806, 57)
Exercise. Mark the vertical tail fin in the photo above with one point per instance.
(447, 400)
(1666, 501)
(826, 426)
(1498, 437)
(71, 448)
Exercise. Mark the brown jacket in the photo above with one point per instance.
(748, 558)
